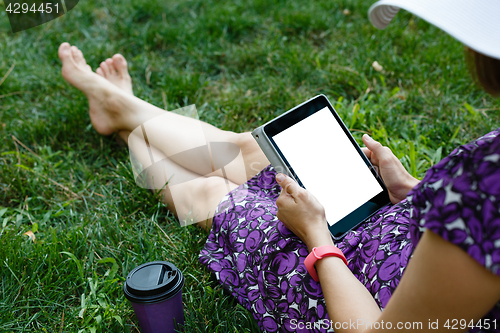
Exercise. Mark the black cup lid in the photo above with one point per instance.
(153, 282)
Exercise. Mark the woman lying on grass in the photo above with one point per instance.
(266, 226)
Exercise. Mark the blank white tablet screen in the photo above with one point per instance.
(327, 164)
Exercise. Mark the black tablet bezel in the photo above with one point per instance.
(303, 111)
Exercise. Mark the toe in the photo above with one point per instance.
(120, 64)
(99, 71)
(64, 51)
(89, 68)
(112, 69)
(78, 55)
(105, 69)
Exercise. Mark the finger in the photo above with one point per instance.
(371, 144)
(382, 153)
(288, 185)
(284, 192)
(283, 199)
(367, 152)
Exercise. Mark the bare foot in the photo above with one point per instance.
(104, 98)
(115, 71)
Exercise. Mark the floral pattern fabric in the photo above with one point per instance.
(262, 263)
(459, 199)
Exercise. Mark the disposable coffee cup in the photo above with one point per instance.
(155, 291)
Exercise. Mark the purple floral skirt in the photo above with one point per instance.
(261, 262)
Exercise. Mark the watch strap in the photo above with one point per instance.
(319, 253)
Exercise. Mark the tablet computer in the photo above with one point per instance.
(311, 144)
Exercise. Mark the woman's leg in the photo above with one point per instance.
(113, 109)
(188, 195)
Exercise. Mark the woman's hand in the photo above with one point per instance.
(302, 213)
(398, 181)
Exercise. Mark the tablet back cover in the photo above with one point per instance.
(272, 155)
(267, 147)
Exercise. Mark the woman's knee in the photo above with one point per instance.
(209, 194)
(246, 142)
(255, 160)
(197, 200)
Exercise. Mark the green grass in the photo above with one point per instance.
(242, 63)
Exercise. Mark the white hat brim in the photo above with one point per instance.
(475, 23)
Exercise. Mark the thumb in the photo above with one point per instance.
(374, 146)
(287, 184)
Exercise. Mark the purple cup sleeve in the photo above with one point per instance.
(163, 317)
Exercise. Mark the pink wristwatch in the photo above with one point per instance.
(318, 253)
